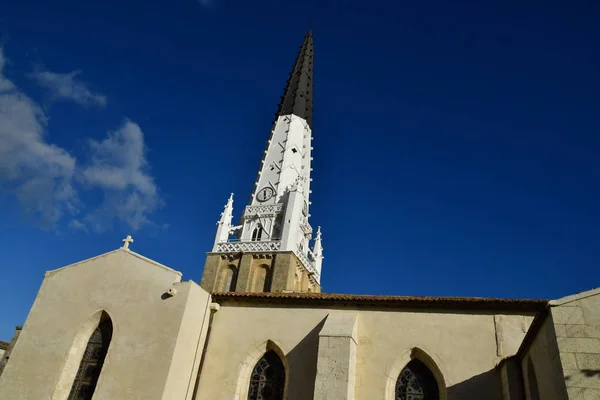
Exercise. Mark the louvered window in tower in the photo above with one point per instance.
(92, 362)
(268, 378)
(416, 382)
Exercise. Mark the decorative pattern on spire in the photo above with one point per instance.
(297, 98)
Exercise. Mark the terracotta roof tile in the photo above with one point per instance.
(404, 301)
(4, 345)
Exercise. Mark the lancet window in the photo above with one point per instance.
(268, 378)
(92, 362)
(416, 382)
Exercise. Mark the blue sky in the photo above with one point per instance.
(456, 146)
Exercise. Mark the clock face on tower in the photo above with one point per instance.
(265, 194)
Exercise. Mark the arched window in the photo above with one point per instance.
(227, 279)
(268, 378)
(261, 279)
(257, 234)
(534, 392)
(92, 361)
(416, 382)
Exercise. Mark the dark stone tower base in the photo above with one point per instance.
(256, 272)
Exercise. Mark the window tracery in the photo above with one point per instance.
(416, 382)
(268, 378)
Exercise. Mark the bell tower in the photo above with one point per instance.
(269, 251)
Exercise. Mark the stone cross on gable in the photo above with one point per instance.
(126, 242)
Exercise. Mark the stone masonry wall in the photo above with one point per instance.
(577, 326)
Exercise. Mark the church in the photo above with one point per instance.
(120, 326)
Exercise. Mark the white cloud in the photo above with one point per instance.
(119, 167)
(37, 172)
(49, 182)
(5, 84)
(77, 225)
(69, 87)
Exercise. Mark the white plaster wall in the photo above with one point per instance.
(189, 342)
(462, 344)
(146, 329)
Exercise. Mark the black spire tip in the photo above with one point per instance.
(297, 97)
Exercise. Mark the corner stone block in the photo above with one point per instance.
(591, 394)
(567, 315)
(568, 361)
(583, 331)
(575, 393)
(561, 330)
(578, 345)
(589, 362)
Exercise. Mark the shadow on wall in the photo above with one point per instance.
(587, 372)
(486, 385)
(302, 361)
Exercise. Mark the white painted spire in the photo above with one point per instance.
(277, 217)
(285, 162)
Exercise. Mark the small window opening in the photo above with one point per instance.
(257, 234)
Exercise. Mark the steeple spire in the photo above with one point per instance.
(297, 98)
(272, 241)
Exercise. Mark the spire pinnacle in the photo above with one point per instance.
(317, 251)
(297, 98)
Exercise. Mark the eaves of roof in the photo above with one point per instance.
(385, 301)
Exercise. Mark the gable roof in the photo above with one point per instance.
(127, 251)
(386, 301)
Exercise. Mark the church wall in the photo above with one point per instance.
(462, 345)
(189, 342)
(146, 327)
(544, 355)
